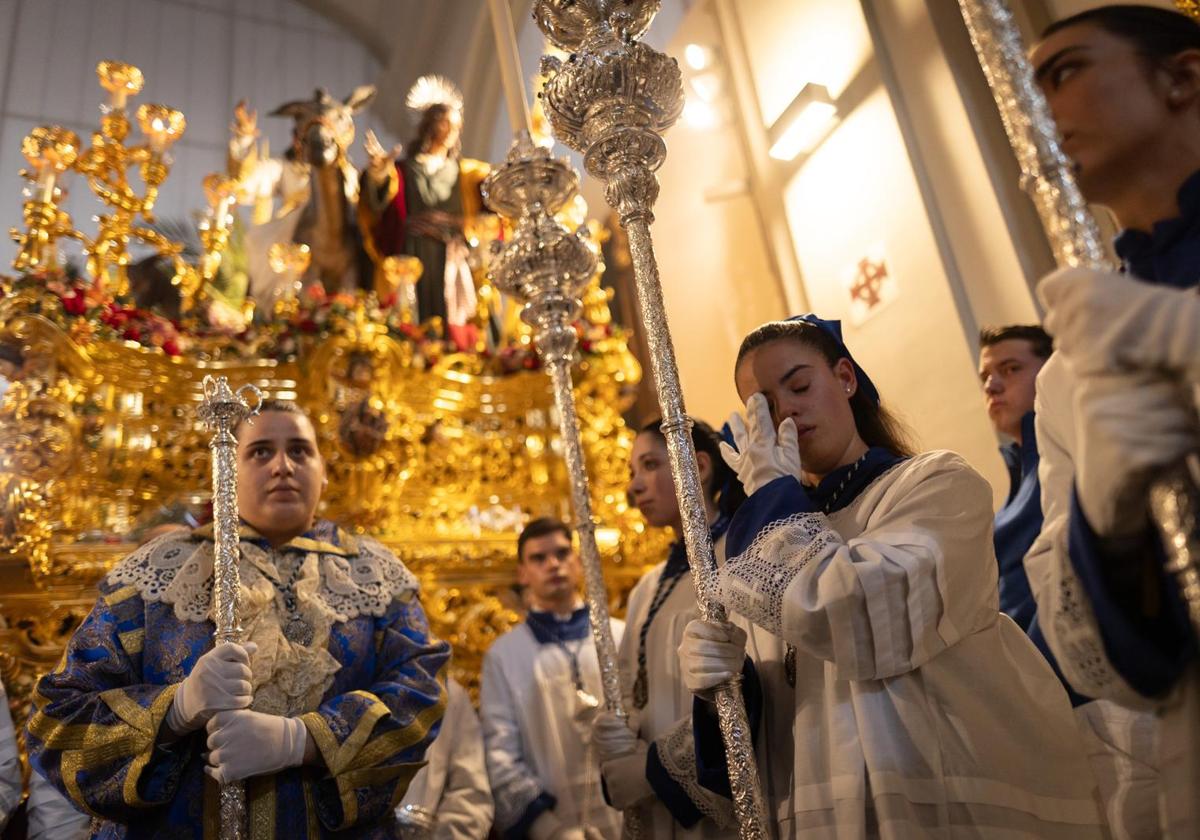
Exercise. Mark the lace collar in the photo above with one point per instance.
(357, 577)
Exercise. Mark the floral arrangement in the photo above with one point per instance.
(87, 313)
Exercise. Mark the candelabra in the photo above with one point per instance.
(611, 100)
(220, 191)
(106, 164)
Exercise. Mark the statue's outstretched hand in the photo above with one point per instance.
(245, 121)
(378, 158)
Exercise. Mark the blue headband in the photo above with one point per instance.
(834, 329)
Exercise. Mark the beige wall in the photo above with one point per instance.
(857, 196)
(716, 277)
(918, 169)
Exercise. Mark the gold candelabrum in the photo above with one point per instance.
(107, 165)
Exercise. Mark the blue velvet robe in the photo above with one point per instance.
(94, 730)
(1017, 525)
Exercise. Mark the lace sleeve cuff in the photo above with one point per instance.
(754, 582)
(672, 772)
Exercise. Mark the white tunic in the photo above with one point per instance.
(919, 710)
(535, 733)
(10, 763)
(1127, 762)
(667, 717)
(449, 798)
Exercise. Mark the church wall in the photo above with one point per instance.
(200, 56)
(717, 280)
(868, 192)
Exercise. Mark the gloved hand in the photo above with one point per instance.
(710, 654)
(219, 681)
(761, 455)
(245, 743)
(1106, 322)
(612, 737)
(1127, 428)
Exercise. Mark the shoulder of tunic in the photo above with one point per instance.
(935, 463)
(950, 470)
(643, 590)
(508, 644)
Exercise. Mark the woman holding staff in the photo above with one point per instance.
(648, 763)
(325, 711)
(898, 700)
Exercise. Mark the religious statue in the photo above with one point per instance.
(425, 203)
(317, 191)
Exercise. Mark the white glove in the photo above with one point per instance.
(219, 681)
(761, 455)
(244, 743)
(1105, 322)
(710, 654)
(1126, 429)
(612, 737)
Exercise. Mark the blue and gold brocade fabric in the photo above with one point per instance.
(94, 730)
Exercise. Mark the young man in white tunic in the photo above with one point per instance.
(899, 702)
(1113, 410)
(650, 763)
(450, 798)
(539, 695)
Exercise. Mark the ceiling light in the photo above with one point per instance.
(805, 123)
(698, 57)
(707, 86)
(699, 115)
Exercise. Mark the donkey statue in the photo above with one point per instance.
(309, 196)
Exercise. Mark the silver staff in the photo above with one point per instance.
(611, 101)
(1076, 241)
(548, 268)
(222, 410)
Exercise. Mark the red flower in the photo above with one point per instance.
(308, 325)
(74, 304)
(171, 347)
(133, 334)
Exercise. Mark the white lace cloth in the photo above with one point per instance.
(753, 583)
(289, 678)
(677, 754)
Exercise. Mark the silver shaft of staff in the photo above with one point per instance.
(611, 101)
(546, 267)
(593, 576)
(597, 595)
(222, 410)
(1072, 231)
(677, 431)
